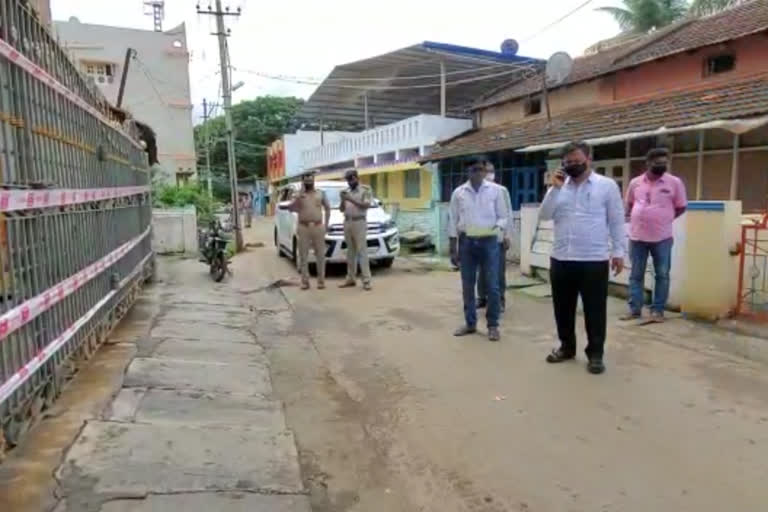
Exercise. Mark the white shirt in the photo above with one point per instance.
(484, 212)
(588, 218)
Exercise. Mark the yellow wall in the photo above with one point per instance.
(395, 192)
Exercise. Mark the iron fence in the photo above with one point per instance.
(74, 217)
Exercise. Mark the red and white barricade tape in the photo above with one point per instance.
(28, 310)
(17, 200)
(13, 55)
(21, 376)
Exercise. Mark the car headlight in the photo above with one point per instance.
(386, 226)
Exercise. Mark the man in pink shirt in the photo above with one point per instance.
(654, 200)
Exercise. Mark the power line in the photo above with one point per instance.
(557, 21)
(390, 87)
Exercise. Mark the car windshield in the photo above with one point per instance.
(333, 194)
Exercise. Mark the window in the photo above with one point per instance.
(101, 72)
(412, 184)
(719, 64)
(533, 106)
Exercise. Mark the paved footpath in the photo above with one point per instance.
(195, 426)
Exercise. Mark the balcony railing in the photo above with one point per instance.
(414, 135)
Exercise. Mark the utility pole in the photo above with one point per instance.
(130, 52)
(226, 92)
(206, 116)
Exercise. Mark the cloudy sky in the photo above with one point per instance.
(308, 37)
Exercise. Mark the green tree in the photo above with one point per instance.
(257, 123)
(706, 7)
(640, 16)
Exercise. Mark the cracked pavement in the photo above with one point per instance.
(195, 425)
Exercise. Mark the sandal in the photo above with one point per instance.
(558, 355)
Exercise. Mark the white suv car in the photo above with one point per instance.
(383, 236)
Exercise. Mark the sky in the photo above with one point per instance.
(308, 37)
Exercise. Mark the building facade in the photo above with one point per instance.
(157, 90)
(405, 103)
(698, 87)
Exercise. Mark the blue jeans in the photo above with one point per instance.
(482, 253)
(661, 252)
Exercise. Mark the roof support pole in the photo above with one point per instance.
(700, 166)
(442, 89)
(365, 109)
(735, 169)
(627, 174)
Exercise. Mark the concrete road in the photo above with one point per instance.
(194, 424)
(391, 413)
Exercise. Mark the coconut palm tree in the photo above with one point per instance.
(706, 7)
(640, 16)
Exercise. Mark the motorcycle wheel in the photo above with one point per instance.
(219, 267)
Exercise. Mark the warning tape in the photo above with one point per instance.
(16, 200)
(13, 55)
(20, 377)
(25, 312)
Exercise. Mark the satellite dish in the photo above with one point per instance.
(509, 47)
(558, 68)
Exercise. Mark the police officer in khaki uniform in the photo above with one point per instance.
(355, 202)
(310, 206)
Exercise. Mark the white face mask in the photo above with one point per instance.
(490, 176)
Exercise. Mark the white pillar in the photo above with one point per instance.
(735, 169)
(442, 89)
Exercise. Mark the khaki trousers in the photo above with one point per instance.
(356, 237)
(312, 236)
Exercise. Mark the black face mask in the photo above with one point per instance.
(309, 186)
(659, 169)
(575, 170)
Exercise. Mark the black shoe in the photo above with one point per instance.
(493, 334)
(464, 331)
(559, 355)
(596, 366)
(482, 303)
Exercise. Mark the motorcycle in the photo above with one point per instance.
(213, 248)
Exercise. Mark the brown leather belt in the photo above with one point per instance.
(359, 217)
(310, 222)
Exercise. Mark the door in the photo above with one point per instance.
(614, 169)
(526, 186)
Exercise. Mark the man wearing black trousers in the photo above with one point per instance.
(589, 234)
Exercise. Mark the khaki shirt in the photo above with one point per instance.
(361, 194)
(310, 205)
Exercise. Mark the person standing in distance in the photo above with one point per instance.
(505, 239)
(478, 214)
(314, 214)
(654, 200)
(588, 216)
(355, 202)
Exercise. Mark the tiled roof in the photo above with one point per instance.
(739, 21)
(735, 100)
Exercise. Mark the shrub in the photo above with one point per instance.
(172, 196)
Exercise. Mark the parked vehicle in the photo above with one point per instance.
(213, 249)
(383, 236)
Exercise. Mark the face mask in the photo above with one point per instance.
(575, 170)
(659, 169)
(309, 186)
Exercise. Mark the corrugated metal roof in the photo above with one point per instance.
(338, 101)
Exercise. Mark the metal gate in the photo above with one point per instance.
(74, 217)
(752, 299)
